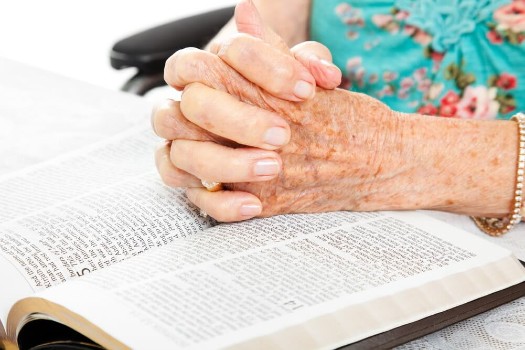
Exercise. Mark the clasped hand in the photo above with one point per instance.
(269, 123)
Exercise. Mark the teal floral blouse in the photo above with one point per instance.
(452, 58)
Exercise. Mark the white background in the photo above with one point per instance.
(74, 38)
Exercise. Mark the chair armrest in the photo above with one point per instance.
(149, 50)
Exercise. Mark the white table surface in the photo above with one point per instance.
(43, 115)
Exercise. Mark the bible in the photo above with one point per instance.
(96, 251)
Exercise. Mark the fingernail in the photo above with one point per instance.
(267, 167)
(333, 69)
(304, 89)
(328, 64)
(250, 210)
(276, 136)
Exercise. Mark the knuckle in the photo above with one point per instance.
(237, 166)
(176, 152)
(198, 103)
(214, 47)
(220, 173)
(170, 178)
(192, 194)
(220, 216)
(170, 68)
(234, 44)
(224, 211)
(256, 125)
(154, 120)
(282, 75)
(184, 67)
(164, 119)
(159, 152)
(244, 114)
(299, 47)
(191, 92)
(208, 202)
(313, 47)
(279, 68)
(239, 160)
(163, 177)
(315, 44)
(168, 174)
(185, 158)
(200, 167)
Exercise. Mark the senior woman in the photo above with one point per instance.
(252, 118)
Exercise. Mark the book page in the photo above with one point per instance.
(62, 179)
(240, 281)
(44, 115)
(121, 157)
(86, 211)
(97, 230)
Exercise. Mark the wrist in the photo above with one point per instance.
(461, 166)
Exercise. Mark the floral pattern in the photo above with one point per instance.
(453, 58)
(509, 24)
(472, 101)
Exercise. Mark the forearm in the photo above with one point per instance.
(460, 166)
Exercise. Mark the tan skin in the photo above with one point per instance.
(338, 150)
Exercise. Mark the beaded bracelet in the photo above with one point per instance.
(496, 226)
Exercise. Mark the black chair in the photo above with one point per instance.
(148, 50)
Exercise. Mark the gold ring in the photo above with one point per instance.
(212, 186)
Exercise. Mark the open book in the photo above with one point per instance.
(94, 244)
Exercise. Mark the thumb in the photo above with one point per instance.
(318, 60)
(249, 21)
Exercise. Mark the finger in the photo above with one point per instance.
(268, 67)
(170, 175)
(192, 65)
(185, 66)
(224, 115)
(318, 60)
(249, 21)
(314, 56)
(169, 123)
(218, 163)
(226, 206)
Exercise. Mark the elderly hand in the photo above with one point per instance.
(341, 150)
(239, 123)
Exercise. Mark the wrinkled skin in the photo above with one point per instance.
(338, 150)
(334, 157)
(341, 147)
